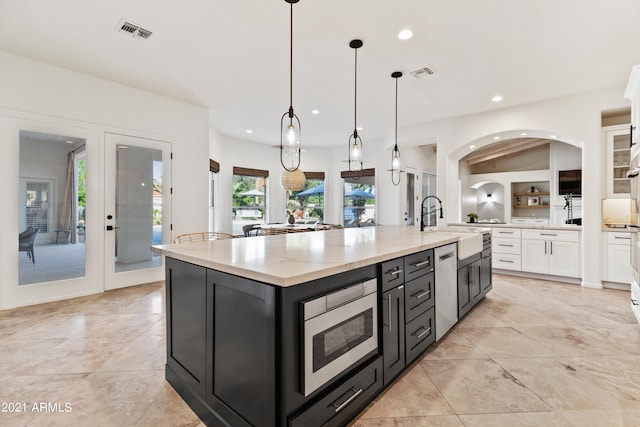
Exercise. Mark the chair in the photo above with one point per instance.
(273, 231)
(202, 236)
(26, 240)
(250, 228)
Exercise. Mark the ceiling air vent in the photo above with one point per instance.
(134, 30)
(424, 71)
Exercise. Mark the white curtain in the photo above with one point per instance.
(68, 206)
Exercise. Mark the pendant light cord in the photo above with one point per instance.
(396, 140)
(291, 63)
(355, 96)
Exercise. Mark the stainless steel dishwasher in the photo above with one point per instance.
(446, 288)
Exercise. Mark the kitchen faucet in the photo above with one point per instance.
(423, 214)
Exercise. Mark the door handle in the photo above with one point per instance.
(111, 227)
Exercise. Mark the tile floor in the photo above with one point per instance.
(533, 353)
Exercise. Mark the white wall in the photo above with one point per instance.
(574, 119)
(42, 93)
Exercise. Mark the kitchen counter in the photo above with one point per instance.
(532, 226)
(245, 347)
(291, 259)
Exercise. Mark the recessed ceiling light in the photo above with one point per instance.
(524, 134)
(405, 34)
(553, 137)
(315, 111)
(496, 137)
(496, 98)
(248, 131)
(471, 147)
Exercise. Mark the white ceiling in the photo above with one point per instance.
(232, 56)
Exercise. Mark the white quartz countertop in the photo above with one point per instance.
(533, 226)
(290, 259)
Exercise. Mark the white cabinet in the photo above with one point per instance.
(618, 161)
(555, 252)
(505, 248)
(619, 257)
(533, 220)
(633, 93)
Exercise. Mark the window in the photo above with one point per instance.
(249, 197)
(38, 205)
(307, 205)
(359, 198)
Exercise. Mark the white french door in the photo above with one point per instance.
(137, 209)
(50, 174)
(410, 191)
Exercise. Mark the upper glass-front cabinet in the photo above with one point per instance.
(618, 161)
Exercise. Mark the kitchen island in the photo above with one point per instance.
(240, 312)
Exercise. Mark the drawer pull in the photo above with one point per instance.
(419, 295)
(394, 272)
(349, 400)
(506, 260)
(634, 302)
(548, 234)
(622, 238)
(505, 232)
(426, 331)
(502, 244)
(421, 263)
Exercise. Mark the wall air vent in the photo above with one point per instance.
(134, 30)
(424, 71)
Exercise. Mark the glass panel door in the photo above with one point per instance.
(137, 209)
(49, 173)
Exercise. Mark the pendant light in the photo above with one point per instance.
(395, 154)
(355, 143)
(290, 124)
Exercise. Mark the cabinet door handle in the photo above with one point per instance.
(394, 272)
(349, 400)
(389, 306)
(545, 247)
(622, 238)
(420, 335)
(506, 260)
(505, 232)
(502, 244)
(420, 294)
(421, 263)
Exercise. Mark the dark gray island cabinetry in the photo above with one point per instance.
(298, 330)
(235, 350)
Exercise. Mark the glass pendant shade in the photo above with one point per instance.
(290, 142)
(355, 152)
(292, 181)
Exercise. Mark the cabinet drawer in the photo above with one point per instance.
(419, 264)
(342, 402)
(503, 245)
(556, 235)
(419, 296)
(512, 233)
(420, 334)
(392, 274)
(619, 239)
(506, 261)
